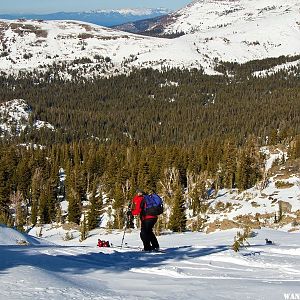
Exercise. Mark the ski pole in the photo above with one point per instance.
(123, 236)
(126, 222)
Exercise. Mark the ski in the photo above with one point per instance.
(126, 247)
(138, 248)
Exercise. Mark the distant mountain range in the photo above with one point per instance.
(99, 17)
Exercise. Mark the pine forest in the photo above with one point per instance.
(178, 132)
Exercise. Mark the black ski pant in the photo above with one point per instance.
(147, 236)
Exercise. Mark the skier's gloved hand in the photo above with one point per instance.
(129, 214)
(130, 219)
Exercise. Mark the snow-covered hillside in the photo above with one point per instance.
(215, 30)
(208, 15)
(194, 266)
(258, 207)
(12, 237)
(15, 118)
(273, 202)
(28, 45)
(239, 30)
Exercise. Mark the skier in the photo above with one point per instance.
(147, 222)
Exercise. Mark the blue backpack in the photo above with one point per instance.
(152, 205)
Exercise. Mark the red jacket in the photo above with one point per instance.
(137, 209)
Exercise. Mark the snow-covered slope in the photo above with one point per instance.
(239, 30)
(236, 31)
(28, 45)
(15, 118)
(274, 202)
(9, 236)
(195, 266)
(209, 15)
(271, 71)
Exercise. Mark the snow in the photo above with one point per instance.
(11, 237)
(13, 112)
(235, 31)
(168, 83)
(135, 11)
(32, 146)
(194, 266)
(274, 70)
(272, 156)
(15, 115)
(261, 202)
(255, 201)
(42, 124)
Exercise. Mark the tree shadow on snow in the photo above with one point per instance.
(64, 259)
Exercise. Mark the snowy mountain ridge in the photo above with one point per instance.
(208, 15)
(133, 11)
(234, 31)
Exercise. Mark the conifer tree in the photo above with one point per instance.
(177, 221)
(58, 218)
(4, 194)
(198, 198)
(249, 170)
(118, 206)
(295, 148)
(74, 207)
(144, 177)
(36, 185)
(44, 213)
(83, 229)
(229, 164)
(73, 195)
(23, 177)
(17, 200)
(52, 186)
(95, 209)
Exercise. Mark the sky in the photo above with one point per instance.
(47, 6)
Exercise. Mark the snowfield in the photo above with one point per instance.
(235, 31)
(194, 266)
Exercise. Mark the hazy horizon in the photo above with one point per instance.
(53, 6)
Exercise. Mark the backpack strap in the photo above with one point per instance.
(143, 207)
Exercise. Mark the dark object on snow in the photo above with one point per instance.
(268, 242)
(147, 235)
(211, 192)
(103, 243)
(130, 219)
